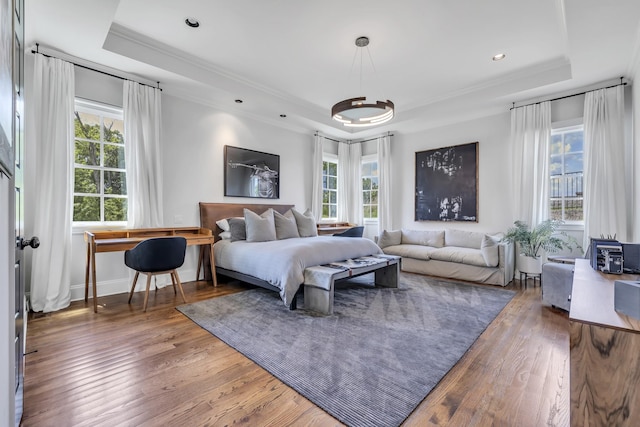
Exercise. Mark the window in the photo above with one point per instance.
(370, 190)
(99, 188)
(566, 174)
(329, 189)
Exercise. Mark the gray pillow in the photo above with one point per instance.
(286, 226)
(237, 228)
(306, 223)
(260, 228)
(390, 238)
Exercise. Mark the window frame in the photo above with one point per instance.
(371, 158)
(104, 111)
(329, 158)
(563, 128)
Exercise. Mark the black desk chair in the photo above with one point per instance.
(160, 255)
(352, 232)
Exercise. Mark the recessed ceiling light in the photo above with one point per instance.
(499, 57)
(283, 115)
(192, 22)
(238, 101)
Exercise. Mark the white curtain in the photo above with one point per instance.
(53, 100)
(143, 156)
(316, 168)
(530, 134)
(384, 183)
(604, 172)
(350, 182)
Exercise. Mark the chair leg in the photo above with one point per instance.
(173, 282)
(175, 273)
(146, 294)
(135, 279)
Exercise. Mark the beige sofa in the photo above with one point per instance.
(454, 254)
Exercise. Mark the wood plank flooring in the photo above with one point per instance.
(123, 367)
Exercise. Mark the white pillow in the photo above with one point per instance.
(225, 235)
(489, 250)
(260, 228)
(390, 238)
(286, 226)
(306, 223)
(223, 224)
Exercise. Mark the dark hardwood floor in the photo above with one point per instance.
(125, 367)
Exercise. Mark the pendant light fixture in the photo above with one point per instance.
(358, 112)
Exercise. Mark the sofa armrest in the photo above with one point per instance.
(507, 261)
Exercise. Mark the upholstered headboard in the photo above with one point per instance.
(212, 212)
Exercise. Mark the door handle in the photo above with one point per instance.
(34, 242)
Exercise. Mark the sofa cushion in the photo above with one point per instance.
(460, 255)
(389, 238)
(489, 250)
(463, 239)
(433, 238)
(411, 251)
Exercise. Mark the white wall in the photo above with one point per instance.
(492, 134)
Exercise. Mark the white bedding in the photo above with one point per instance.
(281, 263)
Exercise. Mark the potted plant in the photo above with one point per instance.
(531, 242)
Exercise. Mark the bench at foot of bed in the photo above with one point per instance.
(319, 281)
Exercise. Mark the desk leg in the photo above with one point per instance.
(200, 261)
(86, 273)
(213, 267)
(93, 273)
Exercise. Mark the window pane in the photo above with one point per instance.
(325, 196)
(115, 209)
(366, 169)
(573, 163)
(87, 126)
(86, 208)
(87, 181)
(374, 211)
(573, 210)
(113, 130)
(555, 187)
(556, 144)
(573, 184)
(333, 169)
(374, 183)
(366, 197)
(113, 156)
(333, 197)
(573, 142)
(555, 165)
(555, 209)
(115, 183)
(333, 211)
(374, 168)
(87, 153)
(325, 211)
(366, 211)
(366, 183)
(374, 197)
(333, 183)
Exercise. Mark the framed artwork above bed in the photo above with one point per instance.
(249, 173)
(447, 184)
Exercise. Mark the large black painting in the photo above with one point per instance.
(249, 173)
(447, 184)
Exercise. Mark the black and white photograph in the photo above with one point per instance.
(249, 173)
(447, 184)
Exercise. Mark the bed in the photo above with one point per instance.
(276, 265)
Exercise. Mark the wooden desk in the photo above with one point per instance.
(604, 349)
(333, 227)
(121, 240)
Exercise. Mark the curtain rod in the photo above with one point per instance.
(569, 96)
(91, 69)
(348, 141)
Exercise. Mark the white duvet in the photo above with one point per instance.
(281, 263)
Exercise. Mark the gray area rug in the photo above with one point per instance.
(371, 362)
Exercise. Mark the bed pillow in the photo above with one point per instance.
(260, 228)
(237, 228)
(306, 223)
(286, 225)
(225, 235)
(223, 224)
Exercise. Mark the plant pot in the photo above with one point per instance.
(529, 265)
